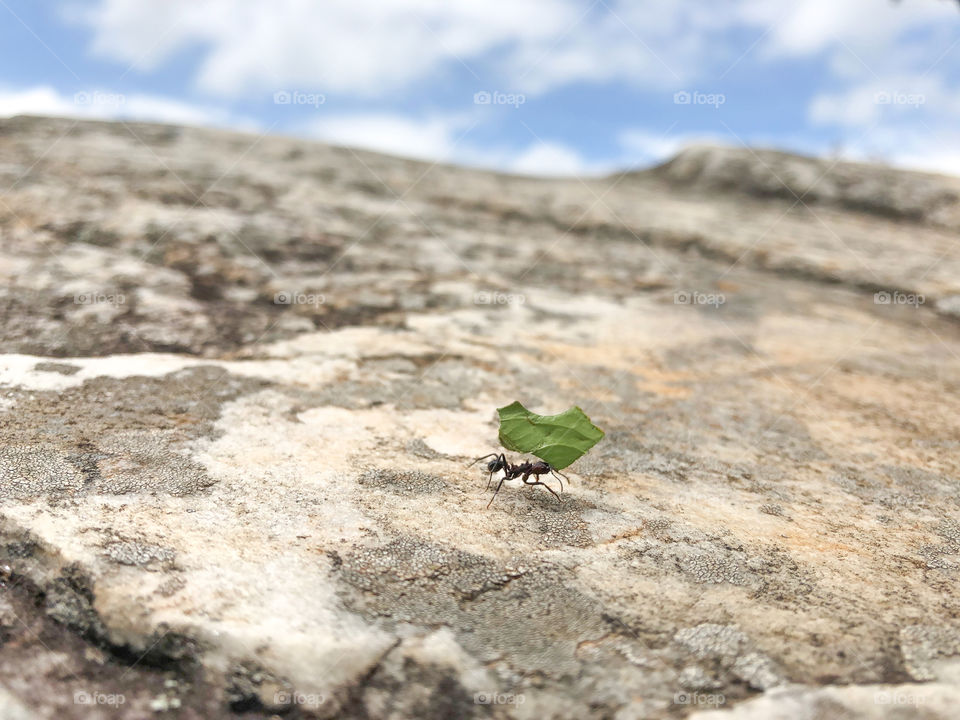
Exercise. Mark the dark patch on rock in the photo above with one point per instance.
(406, 688)
(419, 448)
(69, 600)
(768, 573)
(445, 384)
(405, 481)
(114, 436)
(411, 581)
(559, 524)
(729, 656)
(54, 367)
(252, 687)
(139, 554)
(38, 639)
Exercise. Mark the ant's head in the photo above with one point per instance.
(497, 464)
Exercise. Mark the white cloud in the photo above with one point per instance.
(855, 27)
(931, 150)
(549, 159)
(642, 147)
(433, 138)
(852, 108)
(446, 139)
(931, 159)
(909, 121)
(400, 49)
(34, 101)
(383, 48)
(374, 47)
(106, 105)
(161, 109)
(362, 47)
(902, 98)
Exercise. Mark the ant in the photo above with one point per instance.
(521, 470)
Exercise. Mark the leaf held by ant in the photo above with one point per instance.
(557, 439)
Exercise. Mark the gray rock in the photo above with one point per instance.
(241, 389)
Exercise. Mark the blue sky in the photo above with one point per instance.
(562, 87)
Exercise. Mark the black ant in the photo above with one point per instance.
(521, 470)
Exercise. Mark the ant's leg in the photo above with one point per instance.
(557, 474)
(537, 482)
(481, 458)
(496, 491)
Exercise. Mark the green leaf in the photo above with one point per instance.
(557, 439)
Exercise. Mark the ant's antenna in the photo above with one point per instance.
(481, 458)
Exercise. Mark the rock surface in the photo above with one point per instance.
(243, 377)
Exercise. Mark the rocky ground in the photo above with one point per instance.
(243, 376)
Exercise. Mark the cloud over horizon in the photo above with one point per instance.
(564, 87)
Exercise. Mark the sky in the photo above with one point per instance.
(544, 87)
